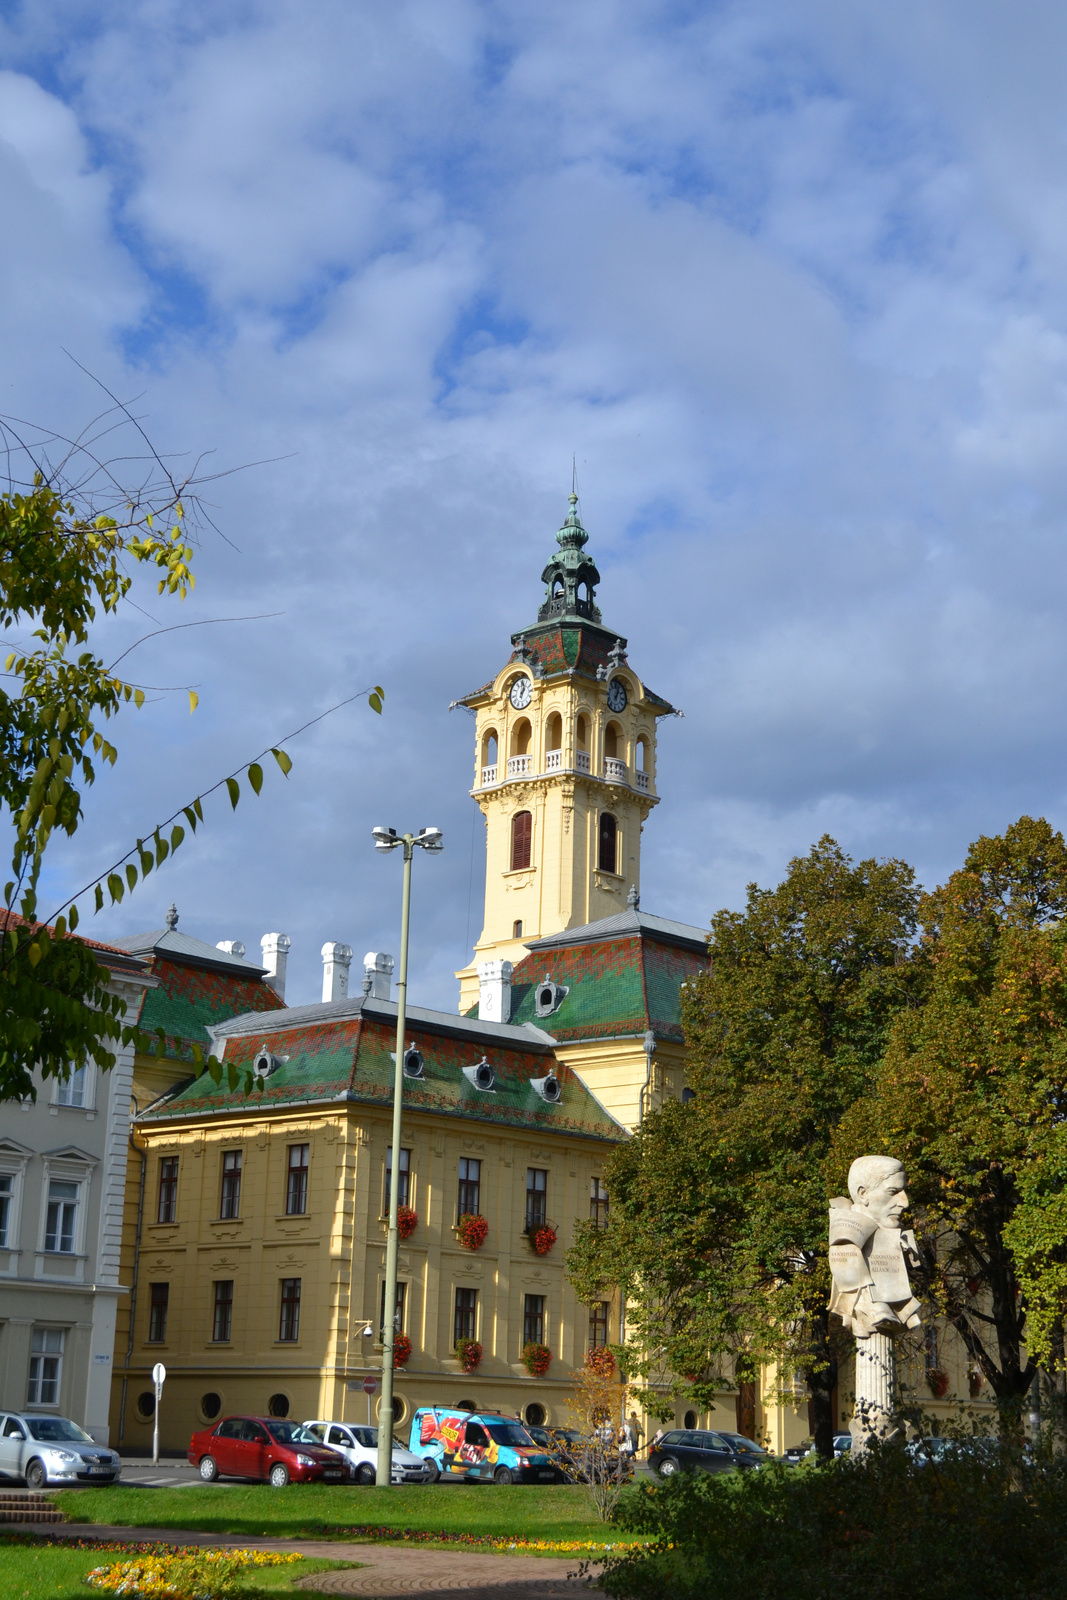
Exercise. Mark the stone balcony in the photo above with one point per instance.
(615, 771)
(488, 776)
(581, 761)
(520, 766)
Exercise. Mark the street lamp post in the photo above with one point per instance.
(387, 839)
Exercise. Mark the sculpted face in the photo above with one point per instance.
(886, 1200)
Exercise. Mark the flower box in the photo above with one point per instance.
(468, 1353)
(938, 1382)
(401, 1349)
(536, 1358)
(406, 1221)
(541, 1239)
(472, 1231)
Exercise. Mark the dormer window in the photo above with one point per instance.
(549, 996)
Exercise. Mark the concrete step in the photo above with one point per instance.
(29, 1507)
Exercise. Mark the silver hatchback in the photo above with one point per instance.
(45, 1449)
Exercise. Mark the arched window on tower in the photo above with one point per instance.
(607, 842)
(554, 742)
(520, 737)
(611, 740)
(641, 754)
(490, 755)
(521, 840)
(581, 740)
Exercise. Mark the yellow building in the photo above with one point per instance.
(260, 1273)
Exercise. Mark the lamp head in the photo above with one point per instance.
(384, 838)
(429, 838)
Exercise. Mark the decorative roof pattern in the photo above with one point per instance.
(348, 1058)
(629, 922)
(190, 999)
(616, 987)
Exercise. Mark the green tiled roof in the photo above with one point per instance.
(190, 999)
(347, 1056)
(615, 987)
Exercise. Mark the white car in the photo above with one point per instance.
(358, 1443)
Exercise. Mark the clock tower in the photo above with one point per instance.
(565, 768)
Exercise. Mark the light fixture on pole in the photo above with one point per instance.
(386, 839)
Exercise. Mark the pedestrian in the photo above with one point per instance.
(656, 1439)
(637, 1433)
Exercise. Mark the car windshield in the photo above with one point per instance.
(743, 1446)
(291, 1433)
(367, 1437)
(51, 1430)
(509, 1433)
(568, 1435)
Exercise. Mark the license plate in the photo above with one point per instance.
(546, 1474)
(108, 1470)
(331, 1474)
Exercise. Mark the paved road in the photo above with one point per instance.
(387, 1571)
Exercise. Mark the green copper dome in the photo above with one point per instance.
(570, 578)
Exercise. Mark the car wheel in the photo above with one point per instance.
(667, 1467)
(36, 1476)
(433, 1469)
(208, 1469)
(503, 1475)
(366, 1475)
(279, 1475)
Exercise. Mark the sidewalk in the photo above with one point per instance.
(385, 1570)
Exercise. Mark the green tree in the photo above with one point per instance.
(972, 1096)
(66, 562)
(718, 1224)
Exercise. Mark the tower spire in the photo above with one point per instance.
(571, 577)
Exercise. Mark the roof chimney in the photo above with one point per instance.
(232, 947)
(379, 974)
(336, 960)
(275, 947)
(494, 990)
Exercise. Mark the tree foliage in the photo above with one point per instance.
(972, 1096)
(718, 1222)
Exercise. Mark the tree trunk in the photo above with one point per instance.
(821, 1379)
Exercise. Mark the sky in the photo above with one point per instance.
(786, 282)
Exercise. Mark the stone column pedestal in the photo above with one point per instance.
(875, 1390)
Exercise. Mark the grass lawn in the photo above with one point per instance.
(562, 1512)
(48, 1572)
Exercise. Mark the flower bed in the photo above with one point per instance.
(406, 1221)
(472, 1231)
(536, 1358)
(483, 1541)
(468, 1353)
(189, 1574)
(542, 1239)
(401, 1349)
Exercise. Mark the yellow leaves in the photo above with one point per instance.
(283, 761)
(194, 701)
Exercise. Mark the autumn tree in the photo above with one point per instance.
(972, 1096)
(718, 1225)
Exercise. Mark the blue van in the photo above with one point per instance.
(479, 1446)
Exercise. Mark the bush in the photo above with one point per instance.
(885, 1528)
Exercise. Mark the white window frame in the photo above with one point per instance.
(32, 1398)
(13, 1160)
(87, 1073)
(66, 1167)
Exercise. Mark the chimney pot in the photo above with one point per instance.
(232, 947)
(379, 970)
(494, 991)
(275, 947)
(336, 960)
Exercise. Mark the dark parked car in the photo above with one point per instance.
(699, 1450)
(746, 1447)
(266, 1449)
(802, 1452)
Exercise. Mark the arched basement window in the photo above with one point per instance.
(522, 840)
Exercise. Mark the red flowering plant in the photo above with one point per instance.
(938, 1382)
(473, 1231)
(406, 1221)
(601, 1361)
(468, 1353)
(401, 1349)
(541, 1239)
(536, 1358)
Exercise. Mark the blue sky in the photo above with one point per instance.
(788, 282)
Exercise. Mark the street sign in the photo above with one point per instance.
(159, 1374)
(370, 1385)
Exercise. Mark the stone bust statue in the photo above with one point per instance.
(870, 1253)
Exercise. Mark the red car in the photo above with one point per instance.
(267, 1449)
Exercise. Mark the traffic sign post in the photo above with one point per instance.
(370, 1386)
(159, 1378)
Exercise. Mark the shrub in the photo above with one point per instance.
(975, 1524)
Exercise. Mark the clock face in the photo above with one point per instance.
(521, 693)
(617, 696)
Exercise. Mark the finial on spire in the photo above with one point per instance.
(171, 918)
